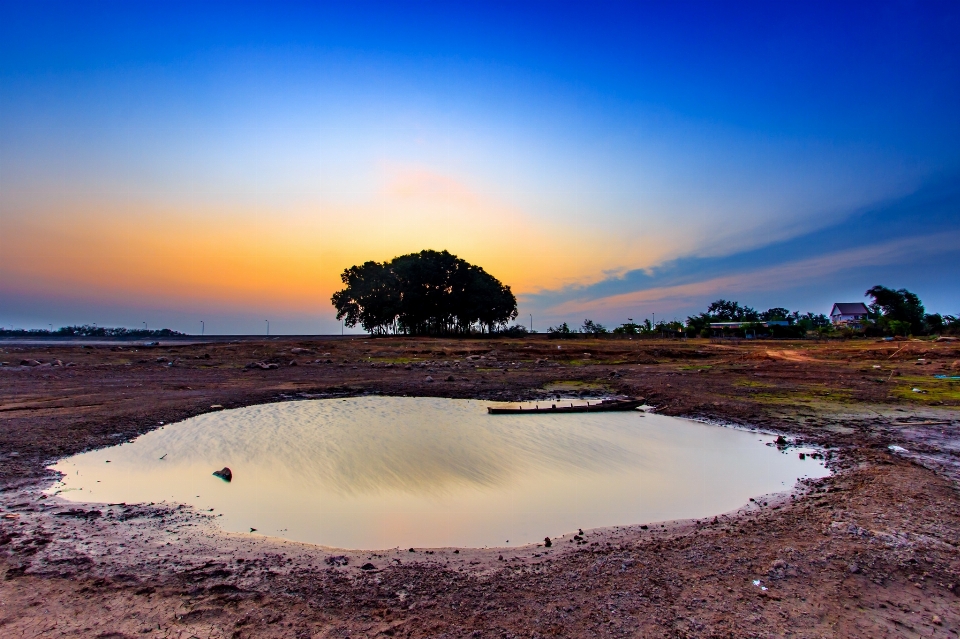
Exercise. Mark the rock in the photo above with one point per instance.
(547, 542)
(224, 473)
(57, 362)
(337, 560)
(450, 378)
(300, 350)
(368, 566)
(293, 362)
(853, 569)
(428, 379)
(29, 362)
(781, 440)
(262, 366)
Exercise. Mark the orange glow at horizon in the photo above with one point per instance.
(289, 259)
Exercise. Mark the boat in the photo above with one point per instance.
(601, 406)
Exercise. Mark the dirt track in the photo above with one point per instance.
(871, 552)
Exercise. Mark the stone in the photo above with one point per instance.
(428, 379)
(224, 473)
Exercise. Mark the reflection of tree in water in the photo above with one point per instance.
(415, 445)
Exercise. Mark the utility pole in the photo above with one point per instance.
(144, 326)
(202, 327)
(268, 327)
(531, 322)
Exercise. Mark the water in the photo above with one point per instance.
(385, 472)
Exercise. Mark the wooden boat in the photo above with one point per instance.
(598, 407)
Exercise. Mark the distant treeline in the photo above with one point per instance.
(89, 331)
(425, 293)
(892, 312)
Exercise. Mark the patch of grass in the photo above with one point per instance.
(573, 385)
(935, 390)
(753, 384)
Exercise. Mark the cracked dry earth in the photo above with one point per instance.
(870, 552)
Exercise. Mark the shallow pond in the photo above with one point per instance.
(385, 472)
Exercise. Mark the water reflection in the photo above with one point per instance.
(380, 472)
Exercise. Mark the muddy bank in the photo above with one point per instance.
(869, 552)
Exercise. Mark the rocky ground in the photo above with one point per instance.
(871, 551)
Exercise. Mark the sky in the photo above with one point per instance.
(164, 164)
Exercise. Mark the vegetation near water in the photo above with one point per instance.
(90, 331)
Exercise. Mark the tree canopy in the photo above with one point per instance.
(425, 293)
(900, 306)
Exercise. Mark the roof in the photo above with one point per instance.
(850, 308)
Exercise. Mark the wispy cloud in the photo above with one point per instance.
(897, 232)
(780, 277)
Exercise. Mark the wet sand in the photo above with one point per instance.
(871, 551)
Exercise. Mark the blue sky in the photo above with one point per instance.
(168, 162)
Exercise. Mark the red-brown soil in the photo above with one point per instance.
(870, 552)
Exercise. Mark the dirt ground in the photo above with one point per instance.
(871, 551)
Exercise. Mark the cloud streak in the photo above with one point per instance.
(784, 276)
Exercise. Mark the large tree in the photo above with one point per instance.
(425, 293)
(727, 311)
(897, 306)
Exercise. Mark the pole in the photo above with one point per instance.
(201, 327)
(268, 327)
(531, 322)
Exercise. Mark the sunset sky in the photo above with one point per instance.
(170, 163)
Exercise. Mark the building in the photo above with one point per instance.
(849, 314)
(767, 324)
(719, 327)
